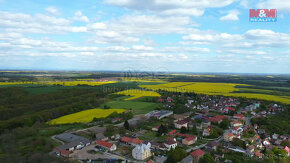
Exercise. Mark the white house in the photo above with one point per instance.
(170, 144)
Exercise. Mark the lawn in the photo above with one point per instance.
(137, 107)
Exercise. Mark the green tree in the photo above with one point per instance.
(162, 130)
(175, 155)
(126, 125)
(183, 130)
(207, 158)
(225, 124)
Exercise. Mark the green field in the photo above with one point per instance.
(137, 107)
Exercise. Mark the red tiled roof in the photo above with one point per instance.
(131, 140)
(65, 152)
(172, 132)
(197, 153)
(230, 134)
(125, 139)
(150, 161)
(170, 142)
(137, 141)
(239, 115)
(104, 143)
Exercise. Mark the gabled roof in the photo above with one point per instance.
(184, 121)
(197, 153)
(172, 132)
(131, 140)
(104, 143)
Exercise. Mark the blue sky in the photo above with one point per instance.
(155, 35)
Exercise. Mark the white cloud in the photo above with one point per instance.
(186, 12)
(231, 16)
(52, 10)
(171, 7)
(80, 17)
(281, 5)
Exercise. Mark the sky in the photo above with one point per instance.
(144, 35)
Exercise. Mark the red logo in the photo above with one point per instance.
(263, 15)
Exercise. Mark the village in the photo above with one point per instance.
(203, 130)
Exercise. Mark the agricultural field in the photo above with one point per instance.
(64, 83)
(134, 79)
(84, 116)
(225, 89)
(137, 93)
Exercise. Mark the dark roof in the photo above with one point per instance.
(212, 144)
(100, 136)
(69, 137)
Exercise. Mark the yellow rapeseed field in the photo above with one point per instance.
(16, 83)
(84, 116)
(137, 93)
(225, 89)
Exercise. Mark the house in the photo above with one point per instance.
(155, 128)
(275, 136)
(239, 116)
(159, 114)
(251, 149)
(228, 136)
(101, 136)
(131, 141)
(182, 123)
(266, 142)
(205, 123)
(258, 154)
(69, 137)
(259, 145)
(170, 144)
(65, 153)
(261, 131)
(187, 159)
(212, 145)
(107, 145)
(237, 130)
(197, 154)
(236, 123)
(198, 126)
(172, 132)
(142, 152)
(287, 150)
(255, 126)
(217, 119)
(206, 132)
(189, 140)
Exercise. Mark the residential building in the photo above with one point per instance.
(107, 145)
(197, 154)
(142, 152)
(131, 141)
(189, 140)
(182, 123)
(170, 144)
(228, 136)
